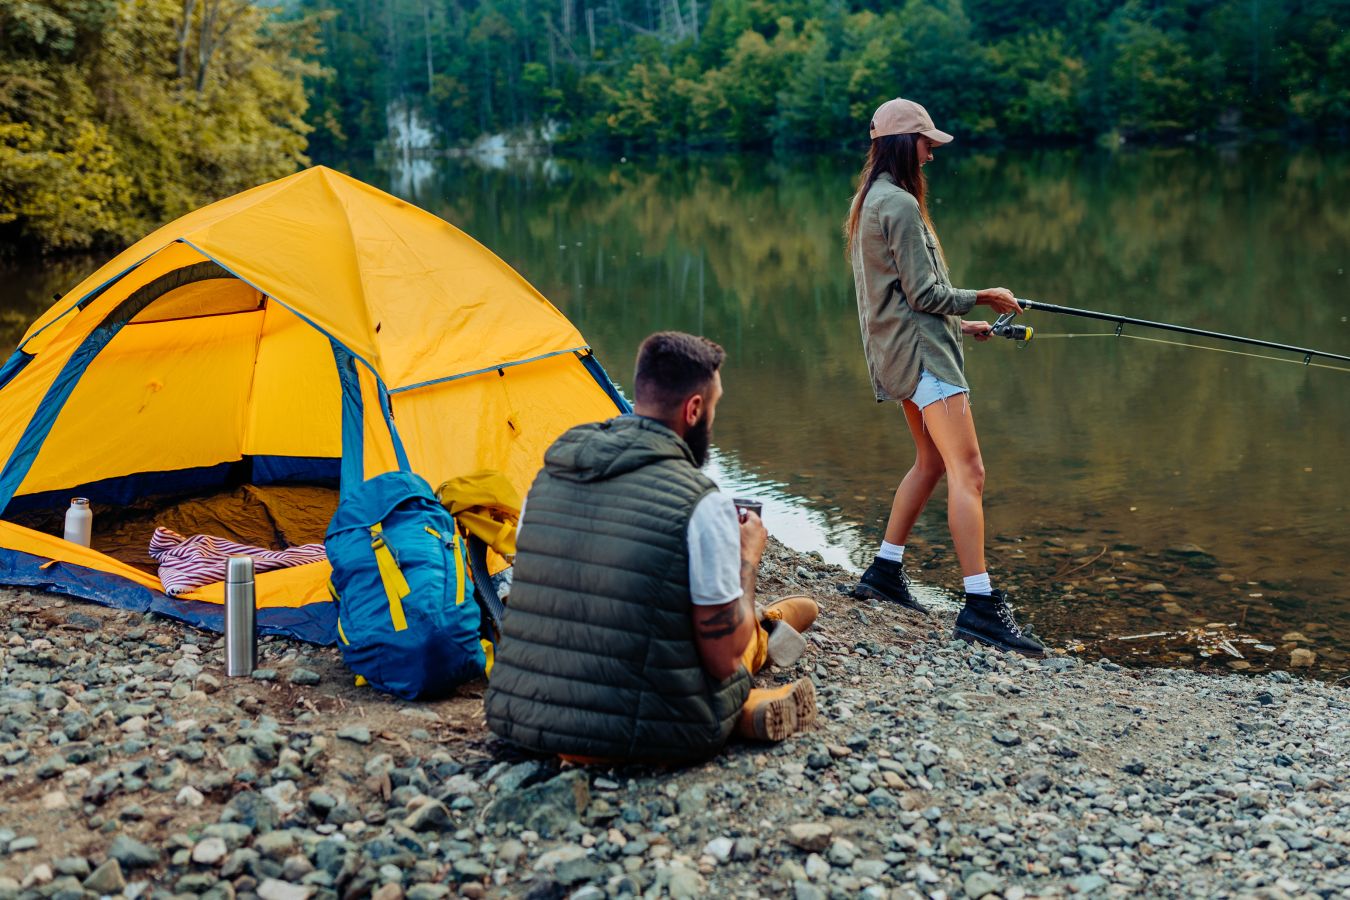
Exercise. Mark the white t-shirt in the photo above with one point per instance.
(715, 551)
(714, 542)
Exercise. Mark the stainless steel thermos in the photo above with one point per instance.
(241, 618)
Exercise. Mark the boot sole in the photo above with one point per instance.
(804, 696)
(971, 637)
(866, 592)
(779, 719)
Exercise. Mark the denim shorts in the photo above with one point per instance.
(931, 390)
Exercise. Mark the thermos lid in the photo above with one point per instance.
(240, 569)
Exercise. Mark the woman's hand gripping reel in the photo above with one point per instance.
(1003, 327)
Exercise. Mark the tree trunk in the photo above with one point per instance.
(1256, 49)
(552, 59)
(485, 109)
(431, 70)
(677, 19)
(184, 33)
(426, 22)
(206, 41)
(512, 95)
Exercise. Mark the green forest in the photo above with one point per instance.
(797, 73)
(118, 115)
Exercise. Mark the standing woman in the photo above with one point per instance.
(911, 330)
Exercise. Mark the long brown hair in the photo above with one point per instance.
(898, 156)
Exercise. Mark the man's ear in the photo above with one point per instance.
(692, 410)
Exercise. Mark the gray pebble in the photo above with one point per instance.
(358, 734)
(978, 884)
(132, 854)
(107, 879)
(304, 677)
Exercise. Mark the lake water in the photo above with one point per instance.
(1145, 501)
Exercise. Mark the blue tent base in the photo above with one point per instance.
(314, 623)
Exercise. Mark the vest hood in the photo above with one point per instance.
(603, 450)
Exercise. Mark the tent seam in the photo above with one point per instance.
(360, 274)
(485, 370)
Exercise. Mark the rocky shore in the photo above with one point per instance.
(129, 765)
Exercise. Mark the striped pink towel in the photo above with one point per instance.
(187, 563)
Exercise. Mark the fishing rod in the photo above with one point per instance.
(1003, 327)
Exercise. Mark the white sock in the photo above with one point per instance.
(978, 584)
(892, 552)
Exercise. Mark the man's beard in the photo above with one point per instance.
(698, 438)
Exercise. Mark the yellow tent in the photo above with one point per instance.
(307, 326)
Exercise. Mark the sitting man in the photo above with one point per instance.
(631, 632)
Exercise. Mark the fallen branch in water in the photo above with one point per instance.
(1084, 565)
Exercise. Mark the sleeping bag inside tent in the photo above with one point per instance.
(226, 373)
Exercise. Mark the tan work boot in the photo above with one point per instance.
(777, 713)
(800, 612)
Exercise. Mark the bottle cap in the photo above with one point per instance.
(79, 501)
(239, 570)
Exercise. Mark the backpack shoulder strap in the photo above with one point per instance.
(486, 595)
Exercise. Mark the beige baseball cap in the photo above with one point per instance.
(900, 116)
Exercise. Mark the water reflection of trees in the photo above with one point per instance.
(1233, 454)
(1176, 234)
(30, 287)
(748, 251)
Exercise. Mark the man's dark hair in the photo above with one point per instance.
(671, 365)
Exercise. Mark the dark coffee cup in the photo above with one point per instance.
(746, 505)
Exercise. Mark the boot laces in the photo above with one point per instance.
(1006, 617)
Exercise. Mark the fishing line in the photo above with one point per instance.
(1040, 336)
(1005, 328)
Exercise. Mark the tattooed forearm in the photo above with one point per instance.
(724, 622)
(749, 571)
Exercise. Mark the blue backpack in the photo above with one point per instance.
(408, 621)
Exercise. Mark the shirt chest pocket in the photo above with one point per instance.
(939, 269)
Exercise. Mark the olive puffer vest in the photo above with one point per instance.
(597, 655)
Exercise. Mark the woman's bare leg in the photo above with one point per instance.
(917, 485)
(951, 428)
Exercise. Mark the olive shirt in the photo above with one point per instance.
(909, 312)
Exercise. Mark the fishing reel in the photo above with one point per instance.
(1004, 328)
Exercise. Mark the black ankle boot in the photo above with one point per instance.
(886, 580)
(988, 620)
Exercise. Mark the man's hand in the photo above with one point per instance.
(754, 537)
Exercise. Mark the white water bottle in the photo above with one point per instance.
(79, 522)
